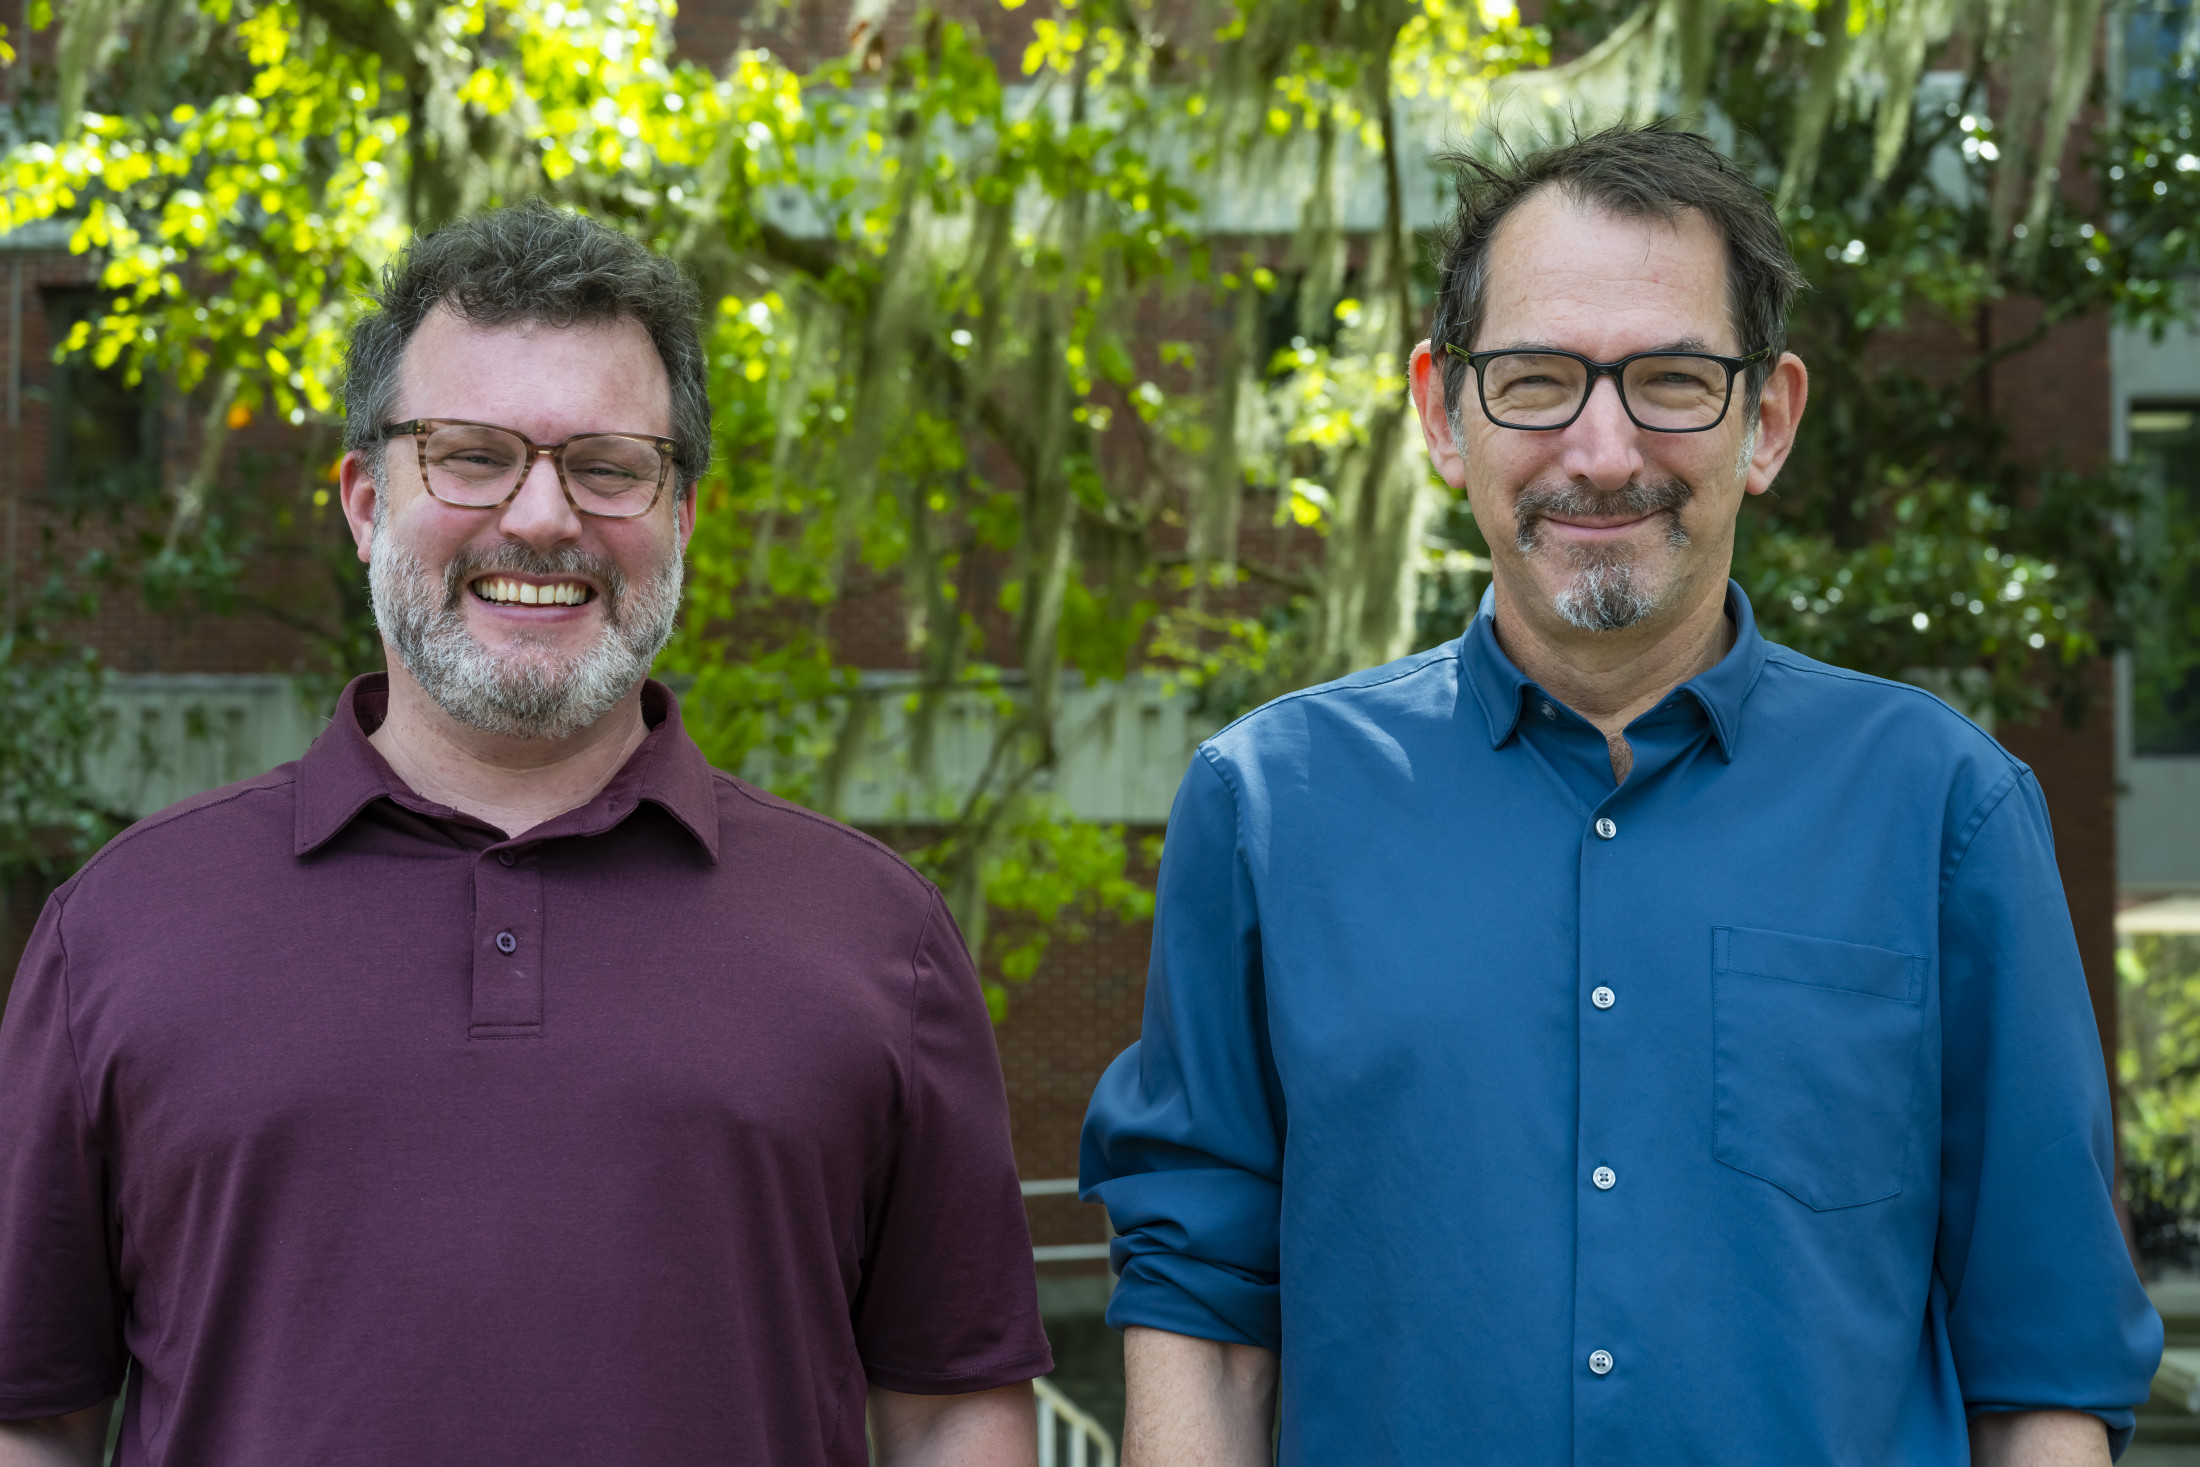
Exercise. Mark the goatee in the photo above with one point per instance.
(1606, 589)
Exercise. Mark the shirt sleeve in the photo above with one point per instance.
(2044, 1311)
(949, 1302)
(61, 1344)
(1184, 1138)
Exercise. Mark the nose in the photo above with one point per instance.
(1602, 448)
(540, 516)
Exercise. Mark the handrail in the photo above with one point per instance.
(1063, 1252)
(1089, 1442)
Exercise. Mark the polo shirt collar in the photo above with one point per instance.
(1500, 688)
(343, 773)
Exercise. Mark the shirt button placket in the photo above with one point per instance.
(506, 1002)
(1607, 1252)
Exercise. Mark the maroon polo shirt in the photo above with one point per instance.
(374, 1137)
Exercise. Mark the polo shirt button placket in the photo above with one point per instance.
(508, 974)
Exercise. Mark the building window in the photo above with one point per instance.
(104, 434)
(2165, 657)
(2161, 48)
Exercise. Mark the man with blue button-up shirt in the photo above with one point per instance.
(1611, 1037)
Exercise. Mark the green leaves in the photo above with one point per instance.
(1936, 592)
(2158, 1067)
(50, 817)
(2147, 246)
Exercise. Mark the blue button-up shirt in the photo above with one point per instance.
(1749, 1111)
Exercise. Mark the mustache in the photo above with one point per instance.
(1570, 501)
(511, 557)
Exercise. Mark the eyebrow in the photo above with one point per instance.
(1685, 343)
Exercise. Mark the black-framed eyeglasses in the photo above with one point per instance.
(615, 476)
(1541, 391)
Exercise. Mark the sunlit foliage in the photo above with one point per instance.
(2159, 1071)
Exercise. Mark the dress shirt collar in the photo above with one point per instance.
(343, 773)
(1720, 690)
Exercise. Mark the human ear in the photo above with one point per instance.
(356, 491)
(1426, 376)
(1779, 415)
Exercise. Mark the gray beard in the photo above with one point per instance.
(533, 692)
(1606, 590)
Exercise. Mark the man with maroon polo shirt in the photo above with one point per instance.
(500, 1083)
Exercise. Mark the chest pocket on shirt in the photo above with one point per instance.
(1814, 1063)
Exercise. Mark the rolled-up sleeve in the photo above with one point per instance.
(60, 1302)
(2044, 1310)
(1184, 1138)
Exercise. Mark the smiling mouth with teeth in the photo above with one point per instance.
(504, 591)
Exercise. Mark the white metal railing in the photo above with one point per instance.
(1089, 1444)
(1067, 1436)
(1063, 1252)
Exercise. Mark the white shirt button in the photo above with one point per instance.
(1605, 1178)
(1600, 1362)
(1606, 827)
(1603, 998)
(1549, 711)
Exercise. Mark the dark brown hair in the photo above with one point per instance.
(532, 262)
(1650, 171)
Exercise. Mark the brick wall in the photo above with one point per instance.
(129, 635)
(1078, 1012)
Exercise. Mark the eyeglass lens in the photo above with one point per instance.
(1681, 392)
(477, 467)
